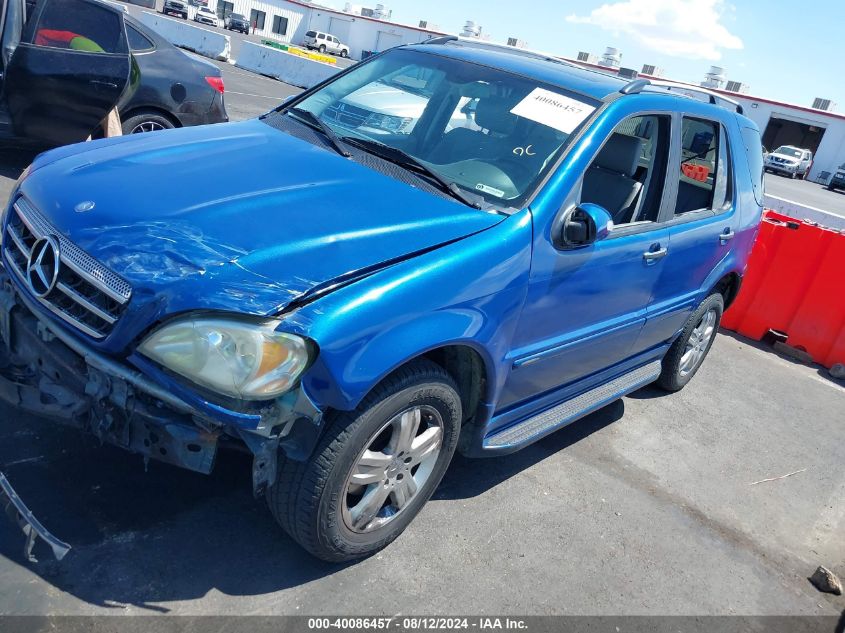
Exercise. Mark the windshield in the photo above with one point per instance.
(490, 132)
(237, 16)
(788, 151)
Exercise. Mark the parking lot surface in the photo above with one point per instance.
(646, 507)
(807, 193)
(649, 506)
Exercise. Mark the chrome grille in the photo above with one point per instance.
(87, 295)
(347, 115)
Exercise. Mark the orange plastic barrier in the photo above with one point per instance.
(795, 284)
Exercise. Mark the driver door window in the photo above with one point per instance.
(79, 26)
(627, 175)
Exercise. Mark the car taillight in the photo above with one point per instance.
(216, 83)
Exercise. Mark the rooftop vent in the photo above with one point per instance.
(612, 58)
(652, 71)
(516, 42)
(471, 29)
(737, 86)
(823, 104)
(588, 58)
(628, 73)
(715, 78)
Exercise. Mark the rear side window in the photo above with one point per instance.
(754, 151)
(80, 26)
(706, 176)
(138, 41)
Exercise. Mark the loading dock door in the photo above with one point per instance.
(387, 40)
(784, 132)
(340, 29)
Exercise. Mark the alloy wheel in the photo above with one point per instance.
(698, 343)
(147, 126)
(393, 467)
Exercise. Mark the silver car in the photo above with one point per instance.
(325, 43)
(790, 161)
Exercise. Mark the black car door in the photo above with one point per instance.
(69, 70)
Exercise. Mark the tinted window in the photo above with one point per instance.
(700, 142)
(257, 18)
(311, 34)
(280, 25)
(80, 26)
(137, 40)
(627, 175)
(754, 152)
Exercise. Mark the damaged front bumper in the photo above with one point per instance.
(48, 372)
(17, 511)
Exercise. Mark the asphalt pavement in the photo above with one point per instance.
(807, 193)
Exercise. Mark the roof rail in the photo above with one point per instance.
(521, 52)
(638, 85)
(445, 39)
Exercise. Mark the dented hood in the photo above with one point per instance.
(238, 217)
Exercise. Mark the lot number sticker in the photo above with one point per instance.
(553, 110)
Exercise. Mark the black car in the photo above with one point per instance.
(68, 63)
(236, 22)
(176, 89)
(175, 8)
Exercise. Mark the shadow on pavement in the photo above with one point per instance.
(170, 535)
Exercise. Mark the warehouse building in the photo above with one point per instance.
(363, 30)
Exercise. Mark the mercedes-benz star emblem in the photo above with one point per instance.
(42, 270)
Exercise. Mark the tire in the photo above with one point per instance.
(676, 373)
(317, 503)
(322, 48)
(149, 119)
(344, 53)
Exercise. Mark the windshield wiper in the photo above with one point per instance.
(403, 158)
(312, 120)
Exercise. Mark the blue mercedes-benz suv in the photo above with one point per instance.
(509, 243)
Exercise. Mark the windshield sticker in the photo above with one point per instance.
(552, 109)
(491, 190)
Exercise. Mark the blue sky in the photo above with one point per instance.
(785, 50)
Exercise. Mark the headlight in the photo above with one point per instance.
(387, 122)
(249, 361)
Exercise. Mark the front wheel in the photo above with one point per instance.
(344, 53)
(374, 469)
(689, 350)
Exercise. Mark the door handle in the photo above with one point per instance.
(727, 236)
(653, 256)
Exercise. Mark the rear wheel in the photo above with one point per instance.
(146, 121)
(374, 469)
(689, 350)
(322, 48)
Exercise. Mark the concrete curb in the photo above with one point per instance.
(194, 38)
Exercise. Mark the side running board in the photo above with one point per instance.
(535, 427)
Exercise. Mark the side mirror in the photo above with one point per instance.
(585, 224)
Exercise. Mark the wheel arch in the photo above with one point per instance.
(139, 109)
(728, 286)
